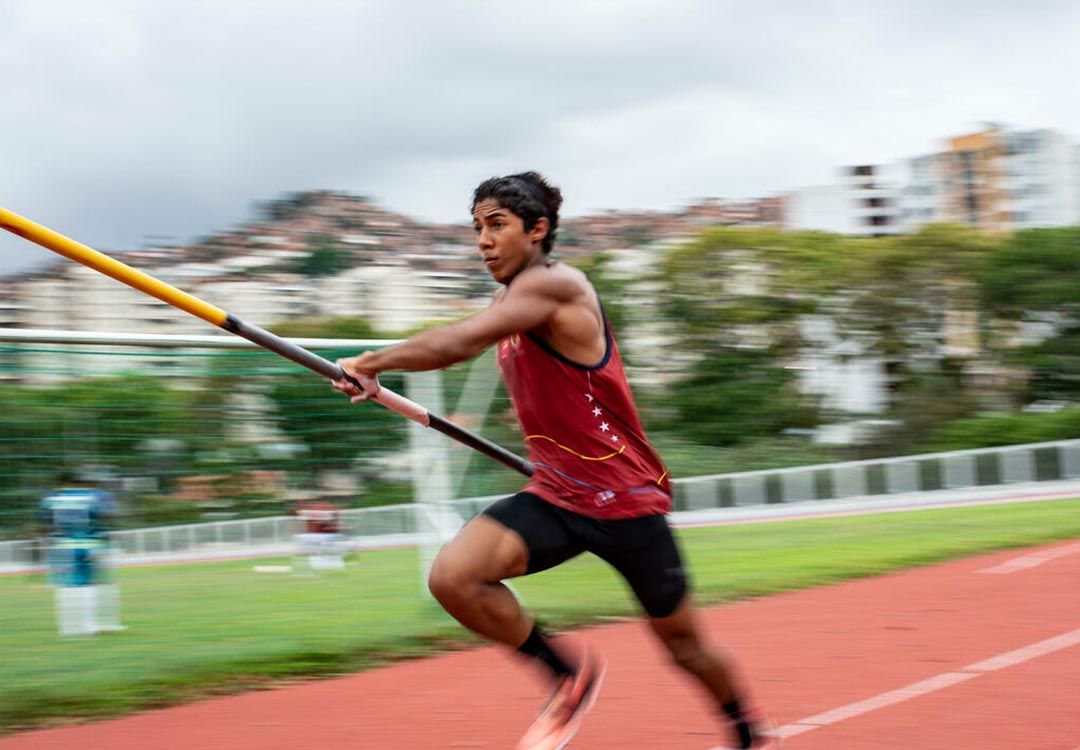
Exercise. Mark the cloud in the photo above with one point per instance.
(130, 119)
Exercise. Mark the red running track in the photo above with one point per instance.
(979, 654)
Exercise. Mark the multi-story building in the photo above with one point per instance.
(1041, 179)
(761, 212)
(997, 180)
(975, 181)
(865, 201)
(994, 179)
(10, 305)
(923, 197)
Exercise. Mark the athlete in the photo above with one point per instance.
(321, 543)
(598, 485)
(87, 601)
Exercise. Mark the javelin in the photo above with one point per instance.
(169, 294)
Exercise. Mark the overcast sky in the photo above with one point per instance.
(121, 121)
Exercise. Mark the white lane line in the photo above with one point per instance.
(1030, 561)
(851, 710)
(1020, 655)
(931, 684)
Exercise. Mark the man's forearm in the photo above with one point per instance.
(433, 349)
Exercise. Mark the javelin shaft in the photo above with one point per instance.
(169, 294)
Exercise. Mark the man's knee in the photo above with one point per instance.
(683, 651)
(683, 643)
(448, 582)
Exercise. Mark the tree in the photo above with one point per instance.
(92, 422)
(612, 290)
(340, 327)
(1035, 270)
(730, 397)
(734, 297)
(310, 412)
(325, 258)
(1034, 277)
(911, 301)
(334, 431)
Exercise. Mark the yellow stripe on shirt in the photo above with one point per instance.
(571, 450)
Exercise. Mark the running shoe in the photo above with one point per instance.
(763, 730)
(561, 716)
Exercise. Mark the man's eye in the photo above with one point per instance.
(497, 225)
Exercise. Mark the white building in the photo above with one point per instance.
(923, 197)
(75, 298)
(825, 208)
(263, 300)
(394, 297)
(996, 179)
(1041, 179)
(865, 201)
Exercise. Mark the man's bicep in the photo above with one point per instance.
(515, 313)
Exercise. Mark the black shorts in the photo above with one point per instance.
(642, 549)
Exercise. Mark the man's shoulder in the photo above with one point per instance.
(557, 280)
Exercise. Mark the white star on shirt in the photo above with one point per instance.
(589, 396)
(604, 427)
(596, 411)
(614, 438)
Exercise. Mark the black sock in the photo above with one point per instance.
(536, 646)
(742, 728)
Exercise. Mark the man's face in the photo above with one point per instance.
(507, 249)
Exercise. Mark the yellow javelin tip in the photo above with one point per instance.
(102, 263)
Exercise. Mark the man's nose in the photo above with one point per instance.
(485, 240)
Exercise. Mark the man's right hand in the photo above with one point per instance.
(368, 380)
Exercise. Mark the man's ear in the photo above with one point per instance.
(540, 229)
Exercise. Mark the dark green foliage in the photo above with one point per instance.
(1036, 270)
(1006, 429)
(334, 431)
(325, 258)
(342, 327)
(93, 422)
(733, 397)
(1036, 276)
(611, 289)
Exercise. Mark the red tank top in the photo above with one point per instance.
(582, 430)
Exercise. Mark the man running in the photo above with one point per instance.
(598, 485)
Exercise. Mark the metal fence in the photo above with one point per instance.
(181, 425)
(1032, 462)
(427, 524)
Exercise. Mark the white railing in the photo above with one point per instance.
(1013, 464)
(876, 480)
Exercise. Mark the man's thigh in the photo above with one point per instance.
(542, 527)
(644, 551)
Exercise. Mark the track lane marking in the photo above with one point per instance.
(1030, 561)
(929, 685)
(1026, 653)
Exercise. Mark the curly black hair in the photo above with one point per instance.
(527, 195)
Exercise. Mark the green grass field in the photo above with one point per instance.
(205, 628)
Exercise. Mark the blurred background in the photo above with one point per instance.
(836, 233)
(822, 234)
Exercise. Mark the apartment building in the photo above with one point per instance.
(1041, 178)
(994, 179)
(923, 197)
(395, 297)
(997, 180)
(864, 201)
(975, 181)
(9, 303)
(760, 212)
